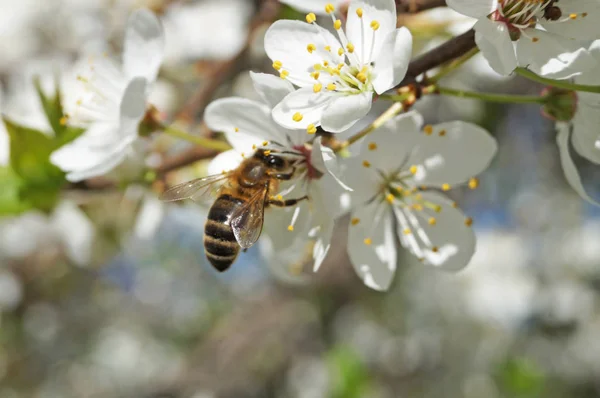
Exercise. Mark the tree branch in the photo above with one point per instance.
(414, 6)
(446, 52)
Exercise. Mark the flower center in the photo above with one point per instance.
(523, 14)
(520, 14)
(354, 74)
(305, 151)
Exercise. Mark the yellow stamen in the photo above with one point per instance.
(284, 74)
(445, 187)
(290, 228)
(311, 47)
(361, 77)
(355, 221)
(374, 25)
(413, 169)
(468, 221)
(329, 8)
(311, 17)
(573, 16)
(340, 51)
(236, 130)
(267, 153)
(265, 143)
(317, 87)
(473, 183)
(390, 198)
(366, 163)
(432, 221)
(331, 87)
(63, 120)
(406, 231)
(442, 133)
(350, 47)
(277, 65)
(359, 12)
(368, 241)
(311, 129)
(327, 48)
(297, 117)
(372, 146)
(337, 24)
(435, 249)
(428, 129)
(315, 75)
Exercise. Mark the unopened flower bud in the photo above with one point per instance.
(560, 104)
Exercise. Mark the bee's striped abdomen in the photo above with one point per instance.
(220, 244)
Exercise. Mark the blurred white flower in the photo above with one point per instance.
(391, 177)
(337, 78)
(188, 25)
(114, 102)
(247, 126)
(76, 232)
(540, 35)
(583, 130)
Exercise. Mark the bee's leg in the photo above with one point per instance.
(285, 203)
(284, 176)
(245, 249)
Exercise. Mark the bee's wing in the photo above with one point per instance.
(247, 221)
(194, 189)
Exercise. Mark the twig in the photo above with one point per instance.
(414, 6)
(446, 52)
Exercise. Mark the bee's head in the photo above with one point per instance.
(271, 159)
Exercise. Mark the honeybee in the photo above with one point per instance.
(235, 219)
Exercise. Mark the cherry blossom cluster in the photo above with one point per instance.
(390, 183)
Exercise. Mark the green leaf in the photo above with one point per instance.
(351, 377)
(10, 197)
(52, 107)
(30, 154)
(520, 377)
(30, 151)
(56, 116)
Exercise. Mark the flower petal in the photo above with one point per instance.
(473, 8)
(581, 27)
(553, 56)
(133, 106)
(272, 89)
(286, 41)
(225, 161)
(368, 42)
(392, 62)
(244, 122)
(144, 45)
(84, 162)
(316, 6)
(448, 242)
(345, 110)
(323, 159)
(494, 41)
(586, 132)
(387, 148)
(569, 168)
(371, 245)
(305, 102)
(441, 157)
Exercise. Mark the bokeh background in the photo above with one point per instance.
(108, 293)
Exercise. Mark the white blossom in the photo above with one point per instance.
(392, 177)
(582, 133)
(542, 35)
(338, 76)
(113, 102)
(248, 125)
